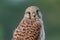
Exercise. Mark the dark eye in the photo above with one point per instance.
(37, 11)
(28, 13)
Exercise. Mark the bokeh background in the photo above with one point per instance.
(12, 11)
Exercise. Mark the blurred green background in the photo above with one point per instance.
(12, 11)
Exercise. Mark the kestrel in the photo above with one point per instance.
(31, 27)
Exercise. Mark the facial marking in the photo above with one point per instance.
(29, 15)
(37, 11)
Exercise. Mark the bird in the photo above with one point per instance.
(31, 26)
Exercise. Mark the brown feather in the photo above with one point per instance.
(28, 29)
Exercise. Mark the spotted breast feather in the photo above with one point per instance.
(28, 29)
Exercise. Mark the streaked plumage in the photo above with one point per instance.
(31, 27)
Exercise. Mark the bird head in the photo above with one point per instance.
(33, 12)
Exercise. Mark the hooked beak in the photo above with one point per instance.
(34, 14)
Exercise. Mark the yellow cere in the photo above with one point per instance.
(33, 13)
